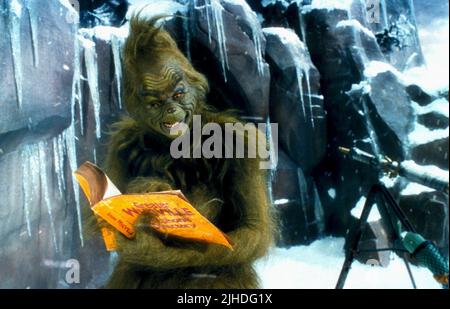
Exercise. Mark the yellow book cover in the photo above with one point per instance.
(171, 213)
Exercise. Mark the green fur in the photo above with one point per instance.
(232, 193)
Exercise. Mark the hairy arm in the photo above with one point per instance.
(251, 238)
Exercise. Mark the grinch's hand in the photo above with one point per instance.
(144, 246)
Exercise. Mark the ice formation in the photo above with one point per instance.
(90, 57)
(302, 67)
(15, 15)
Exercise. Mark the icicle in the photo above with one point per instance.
(256, 35)
(272, 141)
(28, 184)
(70, 143)
(308, 88)
(187, 33)
(76, 85)
(116, 44)
(370, 129)
(217, 10)
(303, 192)
(90, 57)
(69, 139)
(383, 8)
(318, 211)
(15, 14)
(33, 18)
(94, 153)
(214, 8)
(299, 73)
(58, 163)
(45, 189)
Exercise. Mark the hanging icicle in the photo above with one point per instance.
(90, 58)
(116, 46)
(214, 18)
(33, 19)
(45, 189)
(14, 21)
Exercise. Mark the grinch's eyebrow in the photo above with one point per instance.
(169, 77)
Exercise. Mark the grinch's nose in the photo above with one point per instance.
(171, 110)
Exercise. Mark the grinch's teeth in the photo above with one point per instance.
(168, 125)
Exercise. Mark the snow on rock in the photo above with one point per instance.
(422, 135)
(415, 189)
(255, 26)
(356, 25)
(328, 5)
(302, 64)
(332, 193)
(318, 265)
(430, 170)
(439, 106)
(377, 67)
(358, 209)
(266, 3)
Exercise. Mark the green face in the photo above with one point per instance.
(166, 101)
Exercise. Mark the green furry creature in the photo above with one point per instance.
(163, 90)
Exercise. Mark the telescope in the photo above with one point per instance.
(424, 251)
(394, 168)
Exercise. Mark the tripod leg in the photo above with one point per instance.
(354, 236)
(409, 271)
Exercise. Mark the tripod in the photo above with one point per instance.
(392, 215)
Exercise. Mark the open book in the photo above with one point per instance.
(171, 213)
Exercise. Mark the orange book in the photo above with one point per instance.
(171, 213)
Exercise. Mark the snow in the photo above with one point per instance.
(363, 86)
(332, 193)
(430, 81)
(106, 33)
(318, 265)
(356, 25)
(281, 201)
(422, 135)
(155, 7)
(431, 170)
(414, 189)
(439, 106)
(328, 5)
(389, 182)
(358, 209)
(434, 37)
(266, 3)
(377, 67)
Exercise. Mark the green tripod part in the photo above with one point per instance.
(428, 255)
